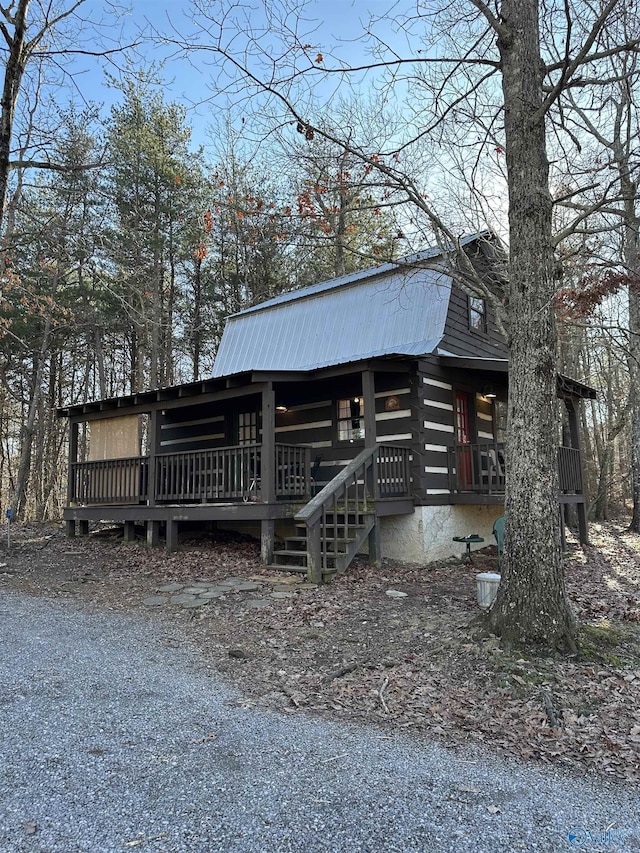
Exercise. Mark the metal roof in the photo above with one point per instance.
(414, 260)
(390, 310)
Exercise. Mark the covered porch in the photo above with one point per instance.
(248, 449)
(477, 469)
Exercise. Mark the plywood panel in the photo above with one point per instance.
(114, 438)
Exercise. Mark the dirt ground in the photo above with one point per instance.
(349, 650)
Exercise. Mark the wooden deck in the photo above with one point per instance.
(478, 471)
(222, 485)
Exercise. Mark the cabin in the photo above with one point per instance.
(363, 413)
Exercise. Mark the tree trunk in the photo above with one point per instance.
(532, 605)
(632, 263)
(19, 494)
(14, 69)
(196, 330)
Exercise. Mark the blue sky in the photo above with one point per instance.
(336, 22)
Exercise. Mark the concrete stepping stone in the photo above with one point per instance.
(155, 600)
(247, 586)
(170, 587)
(230, 581)
(256, 603)
(182, 598)
(194, 590)
(197, 602)
(214, 592)
(280, 594)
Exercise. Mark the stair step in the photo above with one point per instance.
(339, 525)
(351, 513)
(289, 552)
(280, 567)
(330, 555)
(303, 539)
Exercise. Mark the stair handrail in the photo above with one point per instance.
(312, 510)
(313, 513)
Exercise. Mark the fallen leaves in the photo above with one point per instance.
(347, 650)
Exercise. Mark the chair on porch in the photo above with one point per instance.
(315, 470)
(498, 532)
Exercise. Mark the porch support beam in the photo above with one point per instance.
(129, 531)
(375, 552)
(153, 534)
(574, 429)
(583, 529)
(73, 457)
(267, 536)
(369, 397)
(171, 543)
(153, 450)
(268, 458)
(83, 527)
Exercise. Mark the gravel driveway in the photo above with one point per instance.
(115, 736)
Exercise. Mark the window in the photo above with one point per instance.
(350, 419)
(477, 314)
(247, 427)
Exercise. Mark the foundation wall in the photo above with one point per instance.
(427, 534)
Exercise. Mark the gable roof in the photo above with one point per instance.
(394, 309)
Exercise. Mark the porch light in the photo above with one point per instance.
(489, 393)
(281, 409)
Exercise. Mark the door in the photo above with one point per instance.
(463, 440)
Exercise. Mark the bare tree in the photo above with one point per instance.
(503, 71)
(604, 117)
(38, 34)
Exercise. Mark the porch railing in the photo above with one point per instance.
(226, 473)
(480, 469)
(393, 472)
(231, 473)
(293, 471)
(197, 476)
(570, 470)
(110, 481)
(477, 468)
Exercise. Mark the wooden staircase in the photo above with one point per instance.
(342, 534)
(333, 526)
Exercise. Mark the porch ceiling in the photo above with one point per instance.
(238, 385)
(567, 387)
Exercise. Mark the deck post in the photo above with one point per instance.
(268, 458)
(71, 528)
(574, 429)
(314, 552)
(171, 541)
(83, 527)
(73, 457)
(153, 449)
(153, 533)
(129, 531)
(583, 530)
(369, 398)
(375, 552)
(267, 534)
